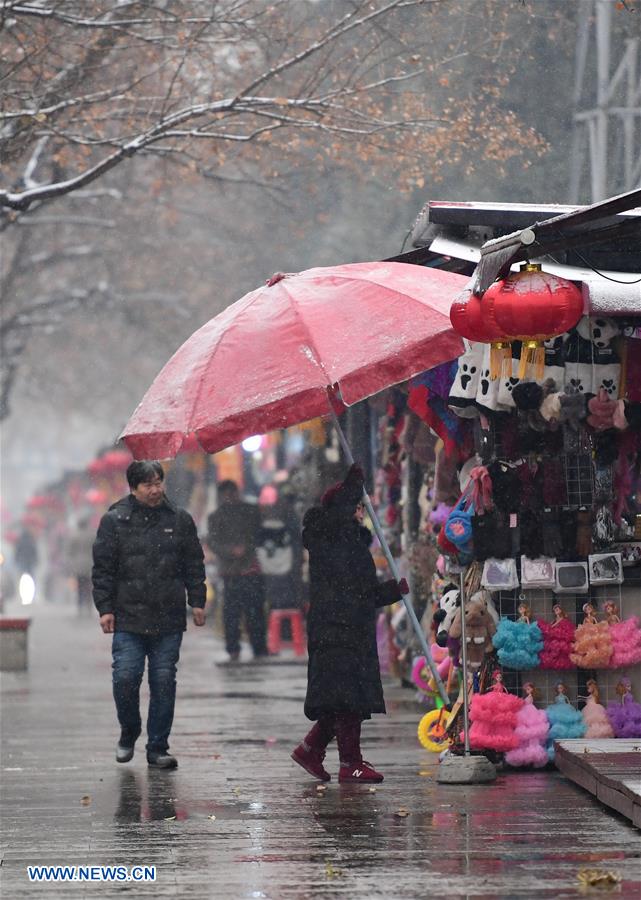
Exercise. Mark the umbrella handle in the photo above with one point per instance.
(392, 564)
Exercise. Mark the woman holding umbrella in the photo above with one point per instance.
(343, 677)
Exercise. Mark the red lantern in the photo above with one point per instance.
(469, 319)
(532, 306)
(466, 316)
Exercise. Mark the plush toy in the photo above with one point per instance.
(444, 615)
(480, 627)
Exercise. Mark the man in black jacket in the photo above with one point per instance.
(146, 555)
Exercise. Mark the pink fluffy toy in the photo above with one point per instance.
(531, 730)
(626, 638)
(594, 715)
(624, 714)
(494, 718)
(557, 641)
(592, 648)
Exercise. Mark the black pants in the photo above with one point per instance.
(245, 596)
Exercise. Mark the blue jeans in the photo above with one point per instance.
(128, 652)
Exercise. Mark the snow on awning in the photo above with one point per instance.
(603, 297)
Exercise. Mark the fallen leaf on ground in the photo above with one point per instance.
(213, 818)
(320, 788)
(372, 790)
(170, 818)
(86, 800)
(597, 877)
(331, 872)
(402, 813)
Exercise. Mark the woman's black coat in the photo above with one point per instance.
(343, 673)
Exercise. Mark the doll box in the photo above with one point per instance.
(571, 578)
(538, 573)
(605, 568)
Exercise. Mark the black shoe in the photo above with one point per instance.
(123, 753)
(161, 761)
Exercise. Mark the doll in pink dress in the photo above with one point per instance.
(592, 648)
(557, 641)
(626, 637)
(494, 718)
(531, 730)
(594, 714)
(625, 714)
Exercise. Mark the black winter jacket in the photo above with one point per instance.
(343, 672)
(144, 558)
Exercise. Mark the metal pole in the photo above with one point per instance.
(466, 711)
(393, 567)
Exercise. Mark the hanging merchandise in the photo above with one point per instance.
(625, 713)
(499, 575)
(591, 360)
(519, 644)
(594, 715)
(538, 573)
(557, 641)
(530, 306)
(571, 578)
(625, 636)
(494, 718)
(479, 628)
(462, 398)
(592, 648)
(565, 721)
(532, 728)
(605, 568)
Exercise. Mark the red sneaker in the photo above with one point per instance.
(359, 773)
(311, 760)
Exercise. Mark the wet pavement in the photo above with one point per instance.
(238, 819)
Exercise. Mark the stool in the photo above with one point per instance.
(274, 635)
(13, 644)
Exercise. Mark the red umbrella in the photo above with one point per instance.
(278, 356)
(268, 360)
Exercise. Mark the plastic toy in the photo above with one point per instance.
(532, 728)
(557, 641)
(592, 648)
(594, 714)
(625, 715)
(565, 721)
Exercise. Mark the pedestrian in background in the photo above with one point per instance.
(79, 561)
(233, 533)
(146, 556)
(343, 677)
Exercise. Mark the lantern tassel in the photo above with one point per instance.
(532, 360)
(500, 359)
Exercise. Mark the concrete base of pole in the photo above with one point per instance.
(465, 770)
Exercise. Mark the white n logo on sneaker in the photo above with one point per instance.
(357, 773)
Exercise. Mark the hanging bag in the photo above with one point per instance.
(458, 527)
